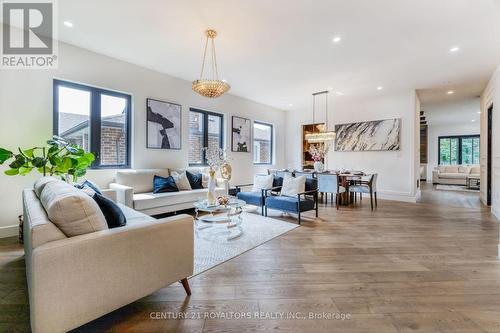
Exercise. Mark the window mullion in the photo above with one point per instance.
(95, 126)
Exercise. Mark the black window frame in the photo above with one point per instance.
(205, 114)
(459, 148)
(272, 141)
(95, 119)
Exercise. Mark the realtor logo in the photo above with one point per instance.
(28, 36)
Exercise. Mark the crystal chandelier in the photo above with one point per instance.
(323, 135)
(213, 87)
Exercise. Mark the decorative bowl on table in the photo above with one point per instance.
(223, 200)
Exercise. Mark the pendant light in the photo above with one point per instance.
(323, 135)
(211, 87)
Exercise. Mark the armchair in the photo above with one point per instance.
(304, 201)
(257, 198)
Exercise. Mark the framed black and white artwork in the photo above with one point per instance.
(368, 135)
(241, 134)
(163, 130)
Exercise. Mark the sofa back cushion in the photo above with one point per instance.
(451, 169)
(71, 210)
(475, 170)
(140, 180)
(463, 169)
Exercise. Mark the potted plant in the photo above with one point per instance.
(58, 158)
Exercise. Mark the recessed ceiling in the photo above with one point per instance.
(279, 52)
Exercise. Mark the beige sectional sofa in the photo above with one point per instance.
(135, 189)
(78, 270)
(454, 174)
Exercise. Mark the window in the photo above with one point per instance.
(262, 143)
(205, 130)
(98, 120)
(455, 150)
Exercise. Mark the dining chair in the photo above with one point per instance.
(309, 175)
(367, 184)
(330, 184)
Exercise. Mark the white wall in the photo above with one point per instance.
(26, 117)
(435, 131)
(396, 169)
(491, 95)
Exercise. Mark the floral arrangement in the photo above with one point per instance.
(318, 152)
(216, 157)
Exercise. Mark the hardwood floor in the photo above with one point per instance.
(404, 267)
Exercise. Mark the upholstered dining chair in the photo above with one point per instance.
(309, 175)
(329, 183)
(367, 184)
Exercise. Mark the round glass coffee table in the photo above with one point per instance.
(228, 216)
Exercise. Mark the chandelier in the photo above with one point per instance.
(323, 135)
(213, 87)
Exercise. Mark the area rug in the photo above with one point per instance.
(211, 246)
(457, 188)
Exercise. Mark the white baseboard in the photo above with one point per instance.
(496, 212)
(396, 196)
(9, 231)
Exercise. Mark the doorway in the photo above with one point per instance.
(489, 159)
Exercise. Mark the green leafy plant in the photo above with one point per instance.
(59, 158)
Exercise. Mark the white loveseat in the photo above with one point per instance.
(135, 189)
(75, 279)
(454, 174)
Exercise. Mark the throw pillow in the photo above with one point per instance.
(181, 180)
(277, 181)
(112, 213)
(293, 185)
(261, 182)
(162, 184)
(195, 180)
(88, 184)
(72, 211)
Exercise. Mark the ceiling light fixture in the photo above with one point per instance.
(212, 87)
(451, 92)
(473, 120)
(323, 135)
(478, 112)
(380, 88)
(68, 24)
(454, 49)
(337, 39)
(290, 105)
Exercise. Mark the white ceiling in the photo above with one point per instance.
(279, 52)
(454, 112)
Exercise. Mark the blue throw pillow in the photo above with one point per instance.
(87, 183)
(112, 213)
(162, 184)
(195, 180)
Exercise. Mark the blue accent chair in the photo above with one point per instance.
(303, 202)
(258, 198)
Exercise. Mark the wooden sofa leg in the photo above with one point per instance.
(185, 284)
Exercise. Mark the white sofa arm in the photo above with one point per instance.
(109, 193)
(223, 183)
(435, 176)
(124, 194)
(79, 279)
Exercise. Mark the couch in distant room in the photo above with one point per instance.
(454, 174)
